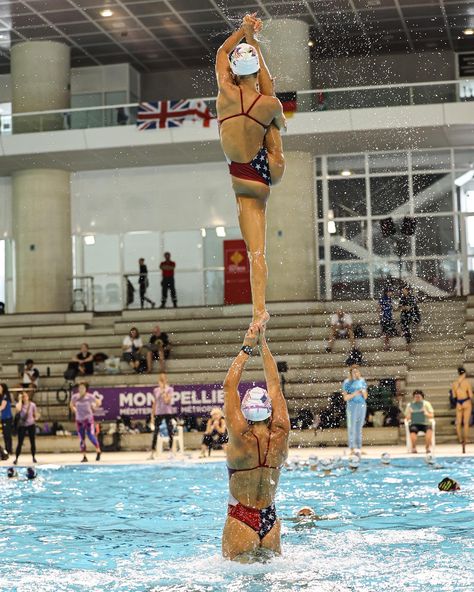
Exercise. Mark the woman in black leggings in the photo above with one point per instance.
(27, 424)
(7, 417)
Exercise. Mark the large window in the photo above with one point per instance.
(356, 193)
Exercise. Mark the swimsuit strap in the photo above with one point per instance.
(257, 98)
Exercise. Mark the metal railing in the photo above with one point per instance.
(314, 100)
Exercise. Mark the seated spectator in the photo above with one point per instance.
(83, 362)
(341, 328)
(392, 416)
(215, 435)
(157, 348)
(409, 314)
(387, 323)
(30, 375)
(131, 346)
(420, 413)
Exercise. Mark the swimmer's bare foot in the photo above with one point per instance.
(260, 320)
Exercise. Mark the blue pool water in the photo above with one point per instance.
(153, 528)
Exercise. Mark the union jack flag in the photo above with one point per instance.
(162, 114)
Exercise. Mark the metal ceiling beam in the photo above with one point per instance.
(404, 25)
(446, 24)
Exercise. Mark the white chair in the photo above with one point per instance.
(407, 434)
(178, 442)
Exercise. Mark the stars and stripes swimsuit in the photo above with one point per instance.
(261, 521)
(257, 169)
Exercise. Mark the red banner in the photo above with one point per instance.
(236, 273)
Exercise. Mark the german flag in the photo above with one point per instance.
(289, 102)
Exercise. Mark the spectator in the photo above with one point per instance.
(409, 315)
(419, 413)
(354, 391)
(167, 282)
(341, 328)
(387, 323)
(462, 392)
(28, 416)
(143, 283)
(131, 346)
(157, 348)
(83, 362)
(162, 409)
(7, 417)
(30, 376)
(83, 405)
(216, 432)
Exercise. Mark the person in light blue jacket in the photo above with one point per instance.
(354, 391)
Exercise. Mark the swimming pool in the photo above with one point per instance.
(143, 528)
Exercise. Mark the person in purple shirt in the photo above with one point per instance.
(162, 409)
(83, 404)
(28, 416)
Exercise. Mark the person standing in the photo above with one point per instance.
(420, 413)
(28, 416)
(387, 324)
(354, 391)
(162, 409)
(7, 417)
(409, 315)
(462, 392)
(82, 405)
(167, 281)
(143, 283)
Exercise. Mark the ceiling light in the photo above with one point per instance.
(203, 232)
(3, 36)
(346, 173)
(220, 231)
(89, 239)
(106, 12)
(311, 43)
(468, 31)
(332, 227)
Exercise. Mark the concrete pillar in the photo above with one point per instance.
(41, 74)
(292, 253)
(42, 235)
(286, 52)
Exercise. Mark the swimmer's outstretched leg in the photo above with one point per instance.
(253, 226)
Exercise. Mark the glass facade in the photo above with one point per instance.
(356, 192)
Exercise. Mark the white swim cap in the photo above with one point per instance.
(256, 404)
(244, 60)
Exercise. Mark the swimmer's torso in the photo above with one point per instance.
(241, 137)
(256, 488)
(461, 389)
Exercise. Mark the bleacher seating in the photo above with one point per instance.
(205, 340)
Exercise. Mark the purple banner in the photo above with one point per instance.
(136, 401)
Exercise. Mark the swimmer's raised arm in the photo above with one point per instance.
(235, 420)
(223, 71)
(280, 417)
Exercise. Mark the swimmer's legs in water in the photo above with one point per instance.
(253, 225)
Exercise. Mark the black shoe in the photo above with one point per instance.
(84, 459)
(175, 305)
(162, 306)
(97, 456)
(153, 304)
(34, 460)
(15, 462)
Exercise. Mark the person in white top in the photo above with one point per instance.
(341, 328)
(131, 346)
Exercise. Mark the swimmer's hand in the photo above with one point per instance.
(251, 26)
(251, 337)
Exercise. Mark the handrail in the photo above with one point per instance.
(299, 92)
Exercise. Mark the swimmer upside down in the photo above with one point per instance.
(258, 447)
(250, 117)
